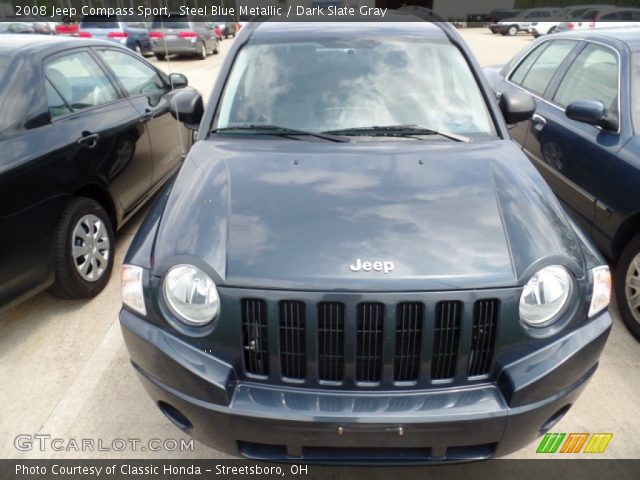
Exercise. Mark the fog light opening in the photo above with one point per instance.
(176, 416)
(553, 419)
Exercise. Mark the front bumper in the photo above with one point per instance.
(205, 397)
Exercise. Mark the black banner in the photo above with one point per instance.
(539, 469)
(474, 12)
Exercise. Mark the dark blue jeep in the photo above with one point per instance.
(356, 263)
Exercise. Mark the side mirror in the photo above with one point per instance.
(591, 112)
(187, 107)
(178, 80)
(516, 106)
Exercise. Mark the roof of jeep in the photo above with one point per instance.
(310, 31)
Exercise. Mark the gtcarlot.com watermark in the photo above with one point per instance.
(45, 442)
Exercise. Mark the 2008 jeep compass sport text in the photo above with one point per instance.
(249, 314)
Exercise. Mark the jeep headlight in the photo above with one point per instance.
(545, 296)
(191, 295)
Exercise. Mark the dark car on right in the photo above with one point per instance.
(584, 139)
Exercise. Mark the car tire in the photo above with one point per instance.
(138, 49)
(512, 31)
(160, 56)
(216, 50)
(202, 55)
(627, 286)
(84, 230)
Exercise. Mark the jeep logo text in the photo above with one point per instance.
(376, 266)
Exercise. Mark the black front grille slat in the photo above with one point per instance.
(485, 319)
(331, 341)
(292, 339)
(406, 363)
(446, 337)
(369, 339)
(254, 336)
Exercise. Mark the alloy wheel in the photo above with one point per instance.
(632, 287)
(90, 248)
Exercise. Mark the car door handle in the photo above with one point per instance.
(149, 115)
(538, 122)
(89, 139)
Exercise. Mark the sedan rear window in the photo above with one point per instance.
(97, 21)
(174, 21)
(345, 84)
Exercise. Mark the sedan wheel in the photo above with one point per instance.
(203, 52)
(83, 251)
(627, 286)
(513, 30)
(90, 248)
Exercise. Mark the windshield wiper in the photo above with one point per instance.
(279, 131)
(397, 131)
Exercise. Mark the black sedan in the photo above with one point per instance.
(584, 139)
(356, 263)
(87, 135)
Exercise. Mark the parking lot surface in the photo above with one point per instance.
(66, 373)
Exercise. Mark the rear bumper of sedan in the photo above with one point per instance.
(206, 398)
(178, 47)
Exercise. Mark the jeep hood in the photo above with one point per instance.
(278, 213)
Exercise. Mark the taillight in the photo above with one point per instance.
(570, 26)
(156, 35)
(187, 34)
(117, 35)
(67, 28)
(85, 34)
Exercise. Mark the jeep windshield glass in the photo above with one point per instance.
(334, 85)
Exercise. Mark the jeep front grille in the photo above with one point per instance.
(446, 337)
(406, 364)
(292, 339)
(369, 343)
(331, 341)
(485, 317)
(254, 336)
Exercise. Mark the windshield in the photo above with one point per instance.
(346, 84)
